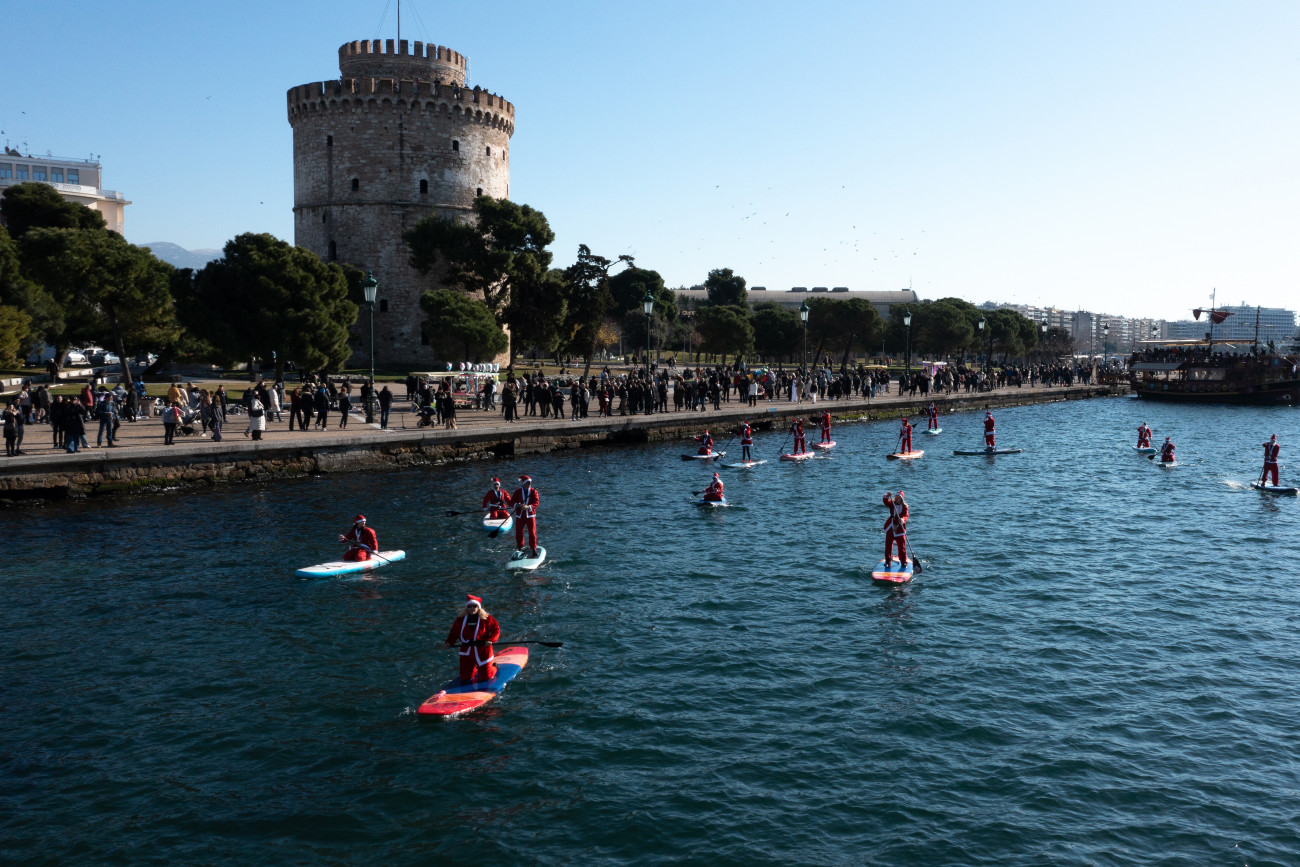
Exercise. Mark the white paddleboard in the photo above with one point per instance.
(986, 451)
(347, 567)
(712, 504)
(935, 432)
(503, 524)
(829, 445)
(1274, 489)
(521, 561)
(743, 465)
(711, 456)
(1167, 464)
(803, 456)
(1145, 450)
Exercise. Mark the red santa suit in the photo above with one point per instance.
(476, 661)
(826, 426)
(1144, 436)
(359, 535)
(496, 501)
(988, 430)
(896, 527)
(746, 440)
(706, 444)
(1271, 448)
(713, 493)
(934, 416)
(800, 444)
(526, 500)
(1167, 452)
(905, 438)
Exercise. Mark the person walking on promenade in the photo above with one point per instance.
(10, 417)
(321, 403)
(56, 416)
(256, 417)
(385, 406)
(474, 631)
(74, 429)
(171, 420)
(106, 412)
(345, 406)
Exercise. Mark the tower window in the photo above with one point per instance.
(455, 145)
(329, 141)
(479, 192)
(334, 252)
(356, 184)
(383, 305)
(324, 218)
(424, 187)
(424, 339)
(489, 150)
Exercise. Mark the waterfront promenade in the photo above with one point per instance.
(140, 458)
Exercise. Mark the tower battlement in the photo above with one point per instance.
(324, 95)
(400, 59)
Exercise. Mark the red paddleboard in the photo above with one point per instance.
(456, 697)
(829, 445)
(905, 456)
(802, 456)
(892, 572)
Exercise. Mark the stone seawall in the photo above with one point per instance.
(193, 464)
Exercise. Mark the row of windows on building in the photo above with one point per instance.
(455, 146)
(47, 174)
(424, 191)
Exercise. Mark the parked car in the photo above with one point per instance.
(75, 358)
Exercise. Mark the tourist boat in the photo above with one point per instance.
(1213, 371)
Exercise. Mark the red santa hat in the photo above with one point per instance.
(496, 482)
(528, 480)
(473, 600)
(1273, 437)
(715, 475)
(899, 495)
(359, 519)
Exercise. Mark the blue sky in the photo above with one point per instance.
(1116, 156)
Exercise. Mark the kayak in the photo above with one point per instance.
(521, 561)
(347, 567)
(743, 465)
(1274, 489)
(712, 504)
(829, 445)
(987, 451)
(892, 572)
(711, 456)
(457, 697)
(1145, 450)
(802, 456)
(503, 524)
(935, 432)
(906, 456)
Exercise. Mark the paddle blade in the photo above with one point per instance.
(916, 564)
(494, 533)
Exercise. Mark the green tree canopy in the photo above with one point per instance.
(21, 294)
(842, 324)
(459, 326)
(589, 302)
(1057, 341)
(724, 330)
(726, 289)
(777, 331)
(265, 298)
(108, 290)
(537, 318)
(500, 257)
(33, 205)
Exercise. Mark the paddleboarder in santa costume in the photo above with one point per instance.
(1144, 436)
(905, 438)
(826, 425)
(706, 444)
(896, 526)
(526, 500)
(746, 441)
(988, 430)
(360, 535)
(496, 502)
(713, 493)
(934, 416)
(474, 631)
(1271, 448)
(800, 445)
(1167, 452)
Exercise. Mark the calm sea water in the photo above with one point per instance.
(1099, 664)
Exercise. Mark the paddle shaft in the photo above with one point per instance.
(367, 548)
(526, 641)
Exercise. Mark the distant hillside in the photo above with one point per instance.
(179, 257)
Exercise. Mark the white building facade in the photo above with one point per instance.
(77, 181)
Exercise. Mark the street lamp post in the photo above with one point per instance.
(647, 304)
(371, 287)
(1042, 343)
(907, 345)
(803, 317)
(982, 324)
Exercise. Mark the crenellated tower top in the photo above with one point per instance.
(398, 59)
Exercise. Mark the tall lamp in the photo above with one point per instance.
(647, 304)
(907, 345)
(1042, 343)
(803, 317)
(371, 287)
(982, 323)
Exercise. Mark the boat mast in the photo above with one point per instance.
(1256, 325)
(1209, 350)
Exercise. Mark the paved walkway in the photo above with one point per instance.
(145, 437)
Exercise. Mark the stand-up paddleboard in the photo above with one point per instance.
(1166, 464)
(505, 524)
(1145, 450)
(457, 697)
(712, 504)
(892, 572)
(523, 561)
(823, 446)
(987, 451)
(711, 456)
(743, 465)
(1275, 489)
(906, 456)
(802, 456)
(347, 567)
(934, 432)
